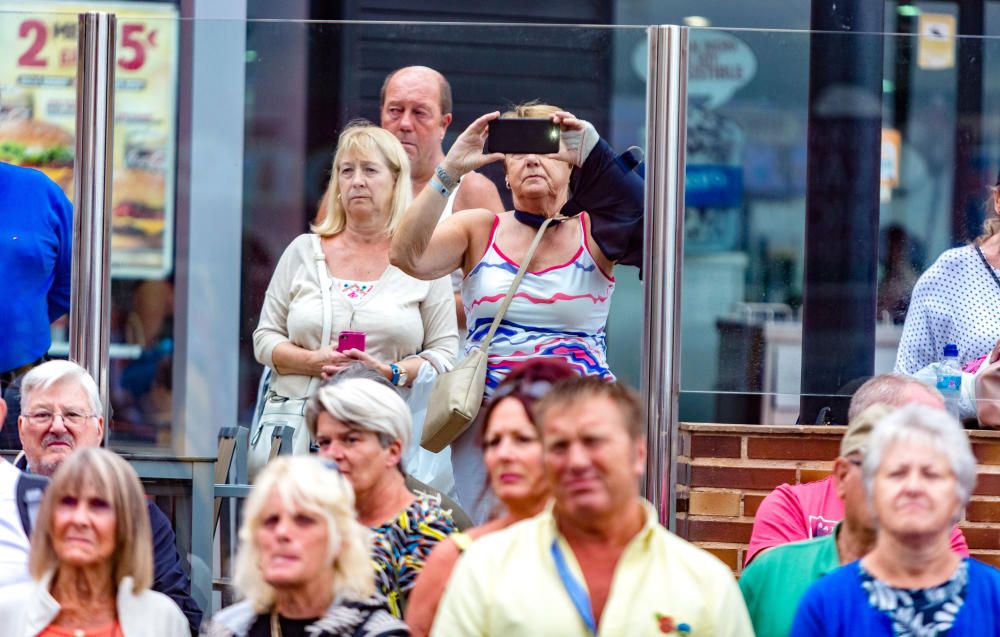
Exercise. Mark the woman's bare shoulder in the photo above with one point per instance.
(490, 527)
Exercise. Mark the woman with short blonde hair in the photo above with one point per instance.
(311, 486)
(92, 559)
(303, 563)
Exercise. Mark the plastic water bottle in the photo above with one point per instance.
(949, 379)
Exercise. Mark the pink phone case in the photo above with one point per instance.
(351, 340)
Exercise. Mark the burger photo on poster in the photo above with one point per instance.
(137, 200)
(36, 144)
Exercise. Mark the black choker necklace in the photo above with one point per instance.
(533, 220)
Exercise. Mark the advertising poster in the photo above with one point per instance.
(936, 46)
(38, 116)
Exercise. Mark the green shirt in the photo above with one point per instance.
(776, 580)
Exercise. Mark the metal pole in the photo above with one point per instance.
(89, 304)
(840, 273)
(969, 180)
(666, 107)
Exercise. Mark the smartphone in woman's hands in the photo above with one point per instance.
(349, 339)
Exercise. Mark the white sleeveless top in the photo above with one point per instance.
(457, 275)
(559, 312)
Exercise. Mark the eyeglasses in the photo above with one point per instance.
(46, 418)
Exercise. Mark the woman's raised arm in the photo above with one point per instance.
(420, 246)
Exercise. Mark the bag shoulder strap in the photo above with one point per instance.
(986, 263)
(29, 491)
(323, 276)
(515, 283)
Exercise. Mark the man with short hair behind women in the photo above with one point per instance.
(561, 306)
(91, 559)
(364, 426)
(918, 473)
(303, 560)
(62, 412)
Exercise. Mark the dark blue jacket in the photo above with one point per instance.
(612, 193)
(169, 577)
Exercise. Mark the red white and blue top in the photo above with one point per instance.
(559, 312)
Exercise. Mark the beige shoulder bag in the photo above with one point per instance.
(458, 394)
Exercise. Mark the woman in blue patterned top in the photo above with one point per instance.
(360, 422)
(919, 473)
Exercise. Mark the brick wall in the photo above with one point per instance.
(724, 471)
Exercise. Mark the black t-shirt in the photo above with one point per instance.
(289, 627)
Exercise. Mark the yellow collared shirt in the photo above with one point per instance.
(507, 584)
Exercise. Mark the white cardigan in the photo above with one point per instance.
(25, 610)
(401, 316)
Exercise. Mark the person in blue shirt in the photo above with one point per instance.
(36, 230)
(919, 473)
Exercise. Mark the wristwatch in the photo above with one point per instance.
(399, 375)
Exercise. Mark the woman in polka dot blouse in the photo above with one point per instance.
(957, 300)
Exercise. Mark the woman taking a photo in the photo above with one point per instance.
(358, 421)
(91, 559)
(512, 453)
(561, 307)
(338, 279)
(918, 473)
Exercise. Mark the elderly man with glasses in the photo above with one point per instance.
(60, 412)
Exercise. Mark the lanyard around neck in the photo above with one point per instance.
(577, 594)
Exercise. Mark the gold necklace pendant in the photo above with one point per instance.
(275, 624)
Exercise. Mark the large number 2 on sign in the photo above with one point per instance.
(130, 40)
(30, 57)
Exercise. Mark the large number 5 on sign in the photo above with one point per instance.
(131, 34)
(30, 57)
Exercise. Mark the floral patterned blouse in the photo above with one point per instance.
(402, 544)
(919, 612)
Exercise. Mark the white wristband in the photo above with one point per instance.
(436, 184)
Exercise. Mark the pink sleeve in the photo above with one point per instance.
(779, 520)
(958, 542)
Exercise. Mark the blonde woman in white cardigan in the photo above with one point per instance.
(339, 278)
(91, 559)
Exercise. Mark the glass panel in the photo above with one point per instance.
(598, 74)
(752, 224)
(37, 122)
(144, 200)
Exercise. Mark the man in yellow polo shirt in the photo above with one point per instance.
(596, 562)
